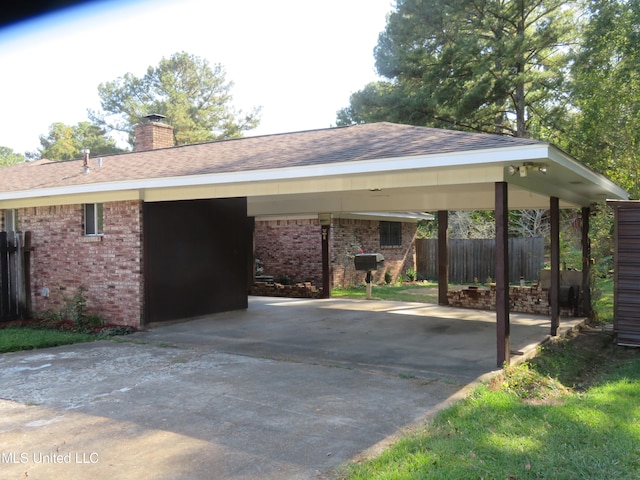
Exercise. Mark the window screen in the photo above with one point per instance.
(390, 233)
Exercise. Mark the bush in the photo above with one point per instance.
(411, 275)
(387, 277)
(74, 312)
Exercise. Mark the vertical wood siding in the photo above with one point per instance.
(627, 274)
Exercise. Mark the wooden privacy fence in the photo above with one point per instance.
(475, 258)
(15, 292)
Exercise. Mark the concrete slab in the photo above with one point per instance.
(415, 339)
(241, 395)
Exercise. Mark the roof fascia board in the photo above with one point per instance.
(564, 159)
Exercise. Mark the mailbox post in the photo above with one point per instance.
(367, 262)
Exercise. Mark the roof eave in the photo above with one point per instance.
(470, 166)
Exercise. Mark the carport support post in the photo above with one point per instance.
(326, 262)
(586, 262)
(502, 274)
(443, 257)
(554, 290)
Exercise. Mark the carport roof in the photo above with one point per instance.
(370, 167)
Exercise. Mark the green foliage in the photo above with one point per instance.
(602, 301)
(388, 278)
(601, 232)
(66, 142)
(527, 383)
(411, 274)
(606, 89)
(75, 311)
(193, 95)
(76, 306)
(427, 228)
(8, 157)
(485, 66)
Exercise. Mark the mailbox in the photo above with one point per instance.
(368, 261)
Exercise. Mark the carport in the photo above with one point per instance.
(386, 167)
(379, 167)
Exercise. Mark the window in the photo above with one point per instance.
(390, 234)
(10, 220)
(93, 224)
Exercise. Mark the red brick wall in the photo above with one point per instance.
(293, 249)
(350, 236)
(290, 248)
(109, 266)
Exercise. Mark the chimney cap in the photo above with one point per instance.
(155, 117)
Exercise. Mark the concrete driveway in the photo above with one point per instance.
(290, 389)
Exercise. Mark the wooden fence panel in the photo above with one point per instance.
(14, 278)
(475, 258)
(5, 307)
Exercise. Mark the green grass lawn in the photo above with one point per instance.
(422, 292)
(498, 434)
(570, 413)
(22, 338)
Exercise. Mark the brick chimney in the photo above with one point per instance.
(153, 134)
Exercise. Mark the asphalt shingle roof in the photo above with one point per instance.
(298, 149)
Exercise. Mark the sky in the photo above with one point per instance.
(298, 60)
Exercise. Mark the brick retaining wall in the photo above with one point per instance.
(300, 290)
(532, 300)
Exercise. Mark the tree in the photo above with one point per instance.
(65, 142)
(606, 92)
(482, 65)
(194, 96)
(529, 223)
(9, 157)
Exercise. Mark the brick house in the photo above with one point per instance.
(166, 232)
(289, 250)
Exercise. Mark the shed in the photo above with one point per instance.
(626, 310)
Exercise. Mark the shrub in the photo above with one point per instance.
(411, 275)
(75, 311)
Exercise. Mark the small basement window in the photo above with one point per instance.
(93, 221)
(390, 234)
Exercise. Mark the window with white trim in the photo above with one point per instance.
(93, 220)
